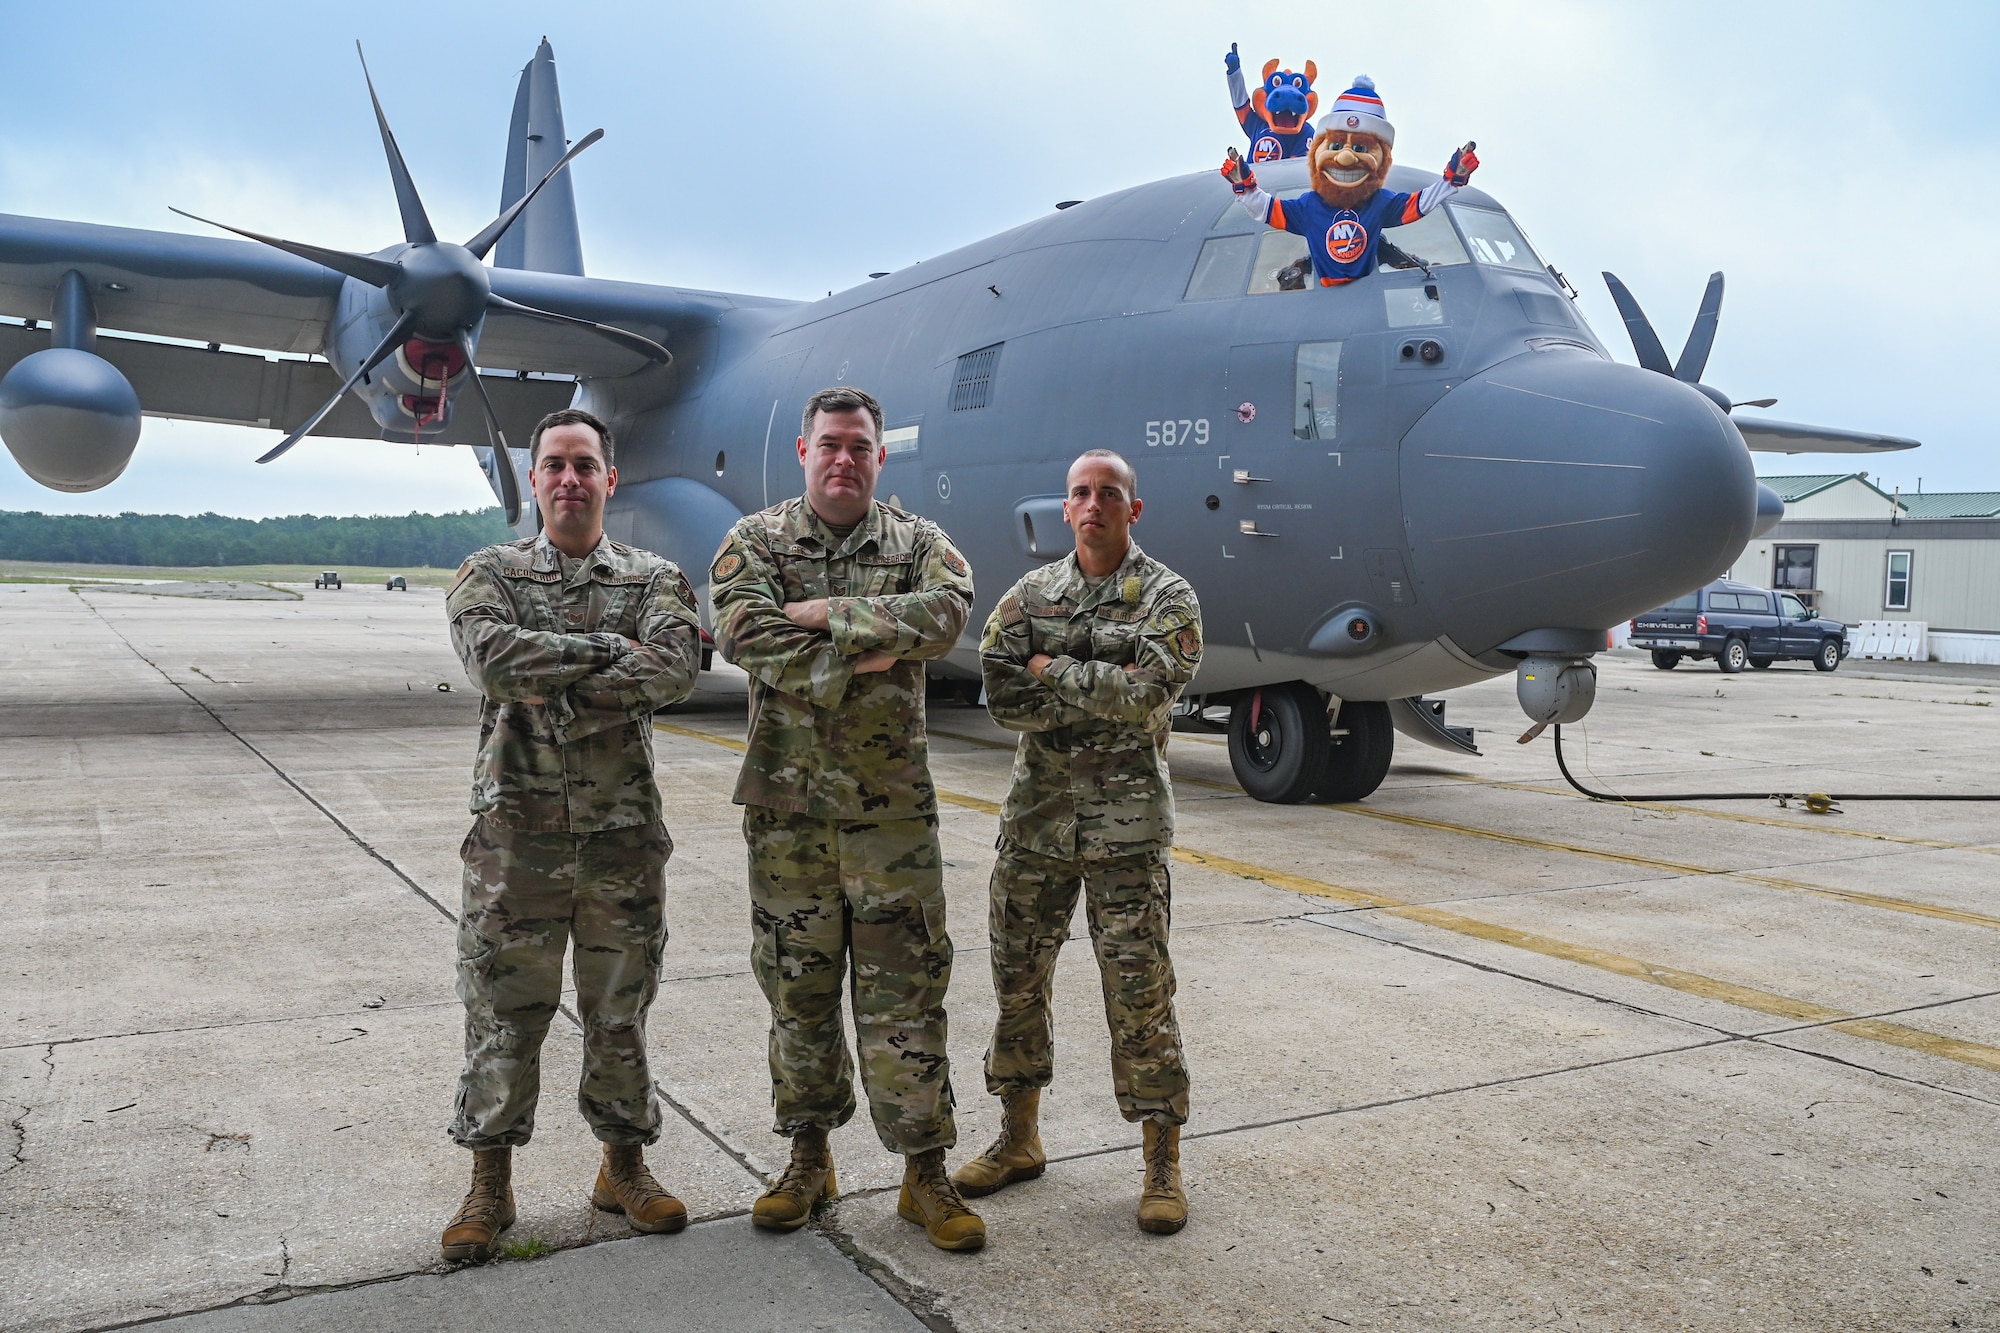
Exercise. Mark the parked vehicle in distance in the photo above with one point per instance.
(1739, 625)
(397, 583)
(329, 579)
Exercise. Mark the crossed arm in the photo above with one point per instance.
(1033, 691)
(812, 649)
(586, 682)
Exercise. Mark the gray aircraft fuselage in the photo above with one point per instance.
(1520, 483)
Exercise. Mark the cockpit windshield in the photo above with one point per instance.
(1493, 238)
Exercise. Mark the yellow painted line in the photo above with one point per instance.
(1690, 983)
(1858, 897)
(1673, 978)
(726, 742)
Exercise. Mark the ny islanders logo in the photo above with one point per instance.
(1346, 239)
(1266, 150)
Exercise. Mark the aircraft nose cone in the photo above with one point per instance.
(1559, 491)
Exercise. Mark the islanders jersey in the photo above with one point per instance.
(1344, 241)
(1269, 145)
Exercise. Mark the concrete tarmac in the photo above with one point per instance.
(1473, 1054)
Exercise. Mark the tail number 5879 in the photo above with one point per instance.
(1171, 432)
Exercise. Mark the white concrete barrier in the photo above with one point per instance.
(1890, 640)
(1982, 649)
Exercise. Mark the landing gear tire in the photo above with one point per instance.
(1665, 660)
(1357, 762)
(1279, 741)
(1828, 656)
(1761, 663)
(1733, 657)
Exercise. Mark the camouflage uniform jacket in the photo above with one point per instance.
(528, 622)
(1090, 776)
(825, 742)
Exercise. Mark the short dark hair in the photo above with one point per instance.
(571, 416)
(840, 398)
(1117, 460)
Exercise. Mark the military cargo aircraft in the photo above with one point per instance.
(1426, 478)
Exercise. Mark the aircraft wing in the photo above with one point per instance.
(1787, 437)
(244, 295)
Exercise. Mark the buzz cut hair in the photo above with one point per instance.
(840, 398)
(571, 416)
(1117, 460)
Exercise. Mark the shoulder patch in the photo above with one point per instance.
(1187, 645)
(728, 564)
(954, 562)
(464, 572)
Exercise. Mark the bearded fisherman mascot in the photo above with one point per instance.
(1342, 216)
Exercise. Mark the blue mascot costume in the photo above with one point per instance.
(1275, 115)
(1342, 217)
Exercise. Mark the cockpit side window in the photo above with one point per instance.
(1283, 264)
(1492, 238)
(1219, 270)
(1316, 392)
(1428, 240)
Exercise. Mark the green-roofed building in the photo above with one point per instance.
(1857, 552)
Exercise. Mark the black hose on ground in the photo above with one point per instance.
(1817, 801)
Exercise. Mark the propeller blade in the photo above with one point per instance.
(645, 347)
(1754, 402)
(1645, 342)
(375, 272)
(503, 462)
(389, 344)
(1694, 356)
(490, 235)
(416, 223)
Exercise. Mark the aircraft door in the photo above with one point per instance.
(780, 455)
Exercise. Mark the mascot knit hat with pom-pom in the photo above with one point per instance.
(1360, 109)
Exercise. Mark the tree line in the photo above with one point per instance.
(440, 541)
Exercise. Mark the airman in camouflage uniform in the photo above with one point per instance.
(1086, 668)
(573, 655)
(833, 621)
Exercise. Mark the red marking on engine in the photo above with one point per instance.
(433, 361)
(425, 410)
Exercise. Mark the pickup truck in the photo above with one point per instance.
(1739, 625)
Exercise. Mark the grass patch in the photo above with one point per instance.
(532, 1248)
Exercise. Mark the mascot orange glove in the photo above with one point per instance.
(1463, 163)
(1238, 173)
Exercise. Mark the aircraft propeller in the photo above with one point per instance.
(441, 292)
(1694, 353)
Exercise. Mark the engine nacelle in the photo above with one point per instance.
(70, 419)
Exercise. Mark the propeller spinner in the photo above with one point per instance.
(441, 292)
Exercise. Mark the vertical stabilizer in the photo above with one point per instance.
(545, 238)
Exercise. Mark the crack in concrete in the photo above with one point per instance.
(927, 1306)
(18, 1154)
(271, 764)
(218, 1027)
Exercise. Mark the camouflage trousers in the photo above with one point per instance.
(1129, 904)
(835, 904)
(526, 895)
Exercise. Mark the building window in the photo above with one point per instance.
(1316, 392)
(1796, 568)
(1896, 597)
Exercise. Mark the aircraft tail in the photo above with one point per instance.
(546, 238)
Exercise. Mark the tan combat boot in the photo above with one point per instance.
(1163, 1205)
(625, 1185)
(806, 1180)
(931, 1201)
(1016, 1155)
(488, 1209)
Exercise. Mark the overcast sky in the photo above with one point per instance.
(1839, 162)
